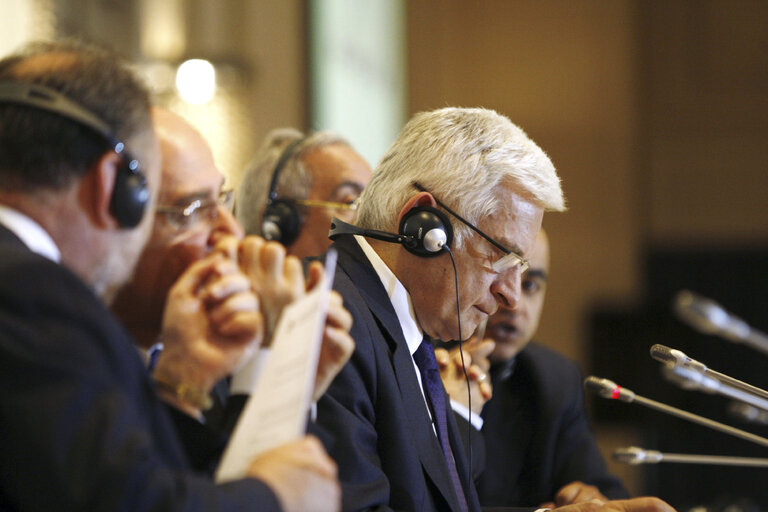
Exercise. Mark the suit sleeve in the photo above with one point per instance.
(346, 424)
(80, 427)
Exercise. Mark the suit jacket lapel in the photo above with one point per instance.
(353, 261)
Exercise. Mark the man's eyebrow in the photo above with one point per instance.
(194, 196)
(536, 272)
(351, 184)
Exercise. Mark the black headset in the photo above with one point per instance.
(281, 221)
(130, 193)
(424, 231)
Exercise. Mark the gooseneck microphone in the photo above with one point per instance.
(634, 456)
(708, 317)
(675, 357)
(610, 390)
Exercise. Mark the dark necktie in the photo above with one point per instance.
(435, 394)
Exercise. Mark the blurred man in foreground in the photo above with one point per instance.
(81, 427)
(193, 223)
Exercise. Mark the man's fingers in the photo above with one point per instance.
(315, 274)
(223, 286)
(197, 273)
(443, 358)
(228, 246)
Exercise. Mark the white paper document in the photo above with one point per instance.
(279, 404)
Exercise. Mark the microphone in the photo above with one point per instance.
(341, 228)
(678, 358)
(634, 456)
(609, 389)
(690, 379)
(708, 317)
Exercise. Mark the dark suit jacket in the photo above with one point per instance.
(373, 419)
(80, 425)
(537, 434)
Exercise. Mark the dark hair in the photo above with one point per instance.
(40, 149)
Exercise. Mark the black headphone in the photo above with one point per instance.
(281, 221)
(424, 231)
(130, 193)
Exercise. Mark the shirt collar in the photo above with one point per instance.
(30, 232)
(398, 295)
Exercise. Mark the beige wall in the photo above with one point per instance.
(563, 71)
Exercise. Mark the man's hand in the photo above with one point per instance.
(302, 476)
(337, 345)
(211, 322)
(575, 492)
(476, 360)
(276, 277)
(633, 505)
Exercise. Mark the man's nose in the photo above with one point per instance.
(226, 224)
(506, 288)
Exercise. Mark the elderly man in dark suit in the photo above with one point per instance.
(81, 426)
(464, 179)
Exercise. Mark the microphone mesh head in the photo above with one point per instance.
(662, 353)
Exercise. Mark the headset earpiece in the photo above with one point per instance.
(130, 196)
(281, 220)
(130, 193)
(429, 230)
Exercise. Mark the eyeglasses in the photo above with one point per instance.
(507, 262)
(200, 210)
(330, 205)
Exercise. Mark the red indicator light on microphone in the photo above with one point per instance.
(616, 392)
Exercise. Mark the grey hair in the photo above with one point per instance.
(294, 182)
(462, 156)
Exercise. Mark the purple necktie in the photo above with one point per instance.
(435, 394)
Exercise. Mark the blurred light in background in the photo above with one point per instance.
(23, 20)
(196, 81)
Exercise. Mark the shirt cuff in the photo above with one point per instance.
(462, 411)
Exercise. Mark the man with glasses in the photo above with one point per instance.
(302, 182)
(539, 447)
(193, 224)
(385, 419)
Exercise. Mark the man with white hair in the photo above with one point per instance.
(296, 184)
(461, 193)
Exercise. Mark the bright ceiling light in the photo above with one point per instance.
(196, 81)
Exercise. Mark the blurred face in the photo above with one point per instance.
(430, 282)
(512, 329)
(188, 223)
(339, 175)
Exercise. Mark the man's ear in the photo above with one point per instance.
(420, 199)
(98, 185)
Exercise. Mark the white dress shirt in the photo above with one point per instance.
(30, 232)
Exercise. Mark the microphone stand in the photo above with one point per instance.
(609, 389)
(634, 456)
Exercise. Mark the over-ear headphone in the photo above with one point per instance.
(424, 231)
(281, 221)
(130, 193)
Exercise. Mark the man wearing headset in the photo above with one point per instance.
(470, 181)
(81, 426)
(538, 443)
(296, 184)
(193, 223)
